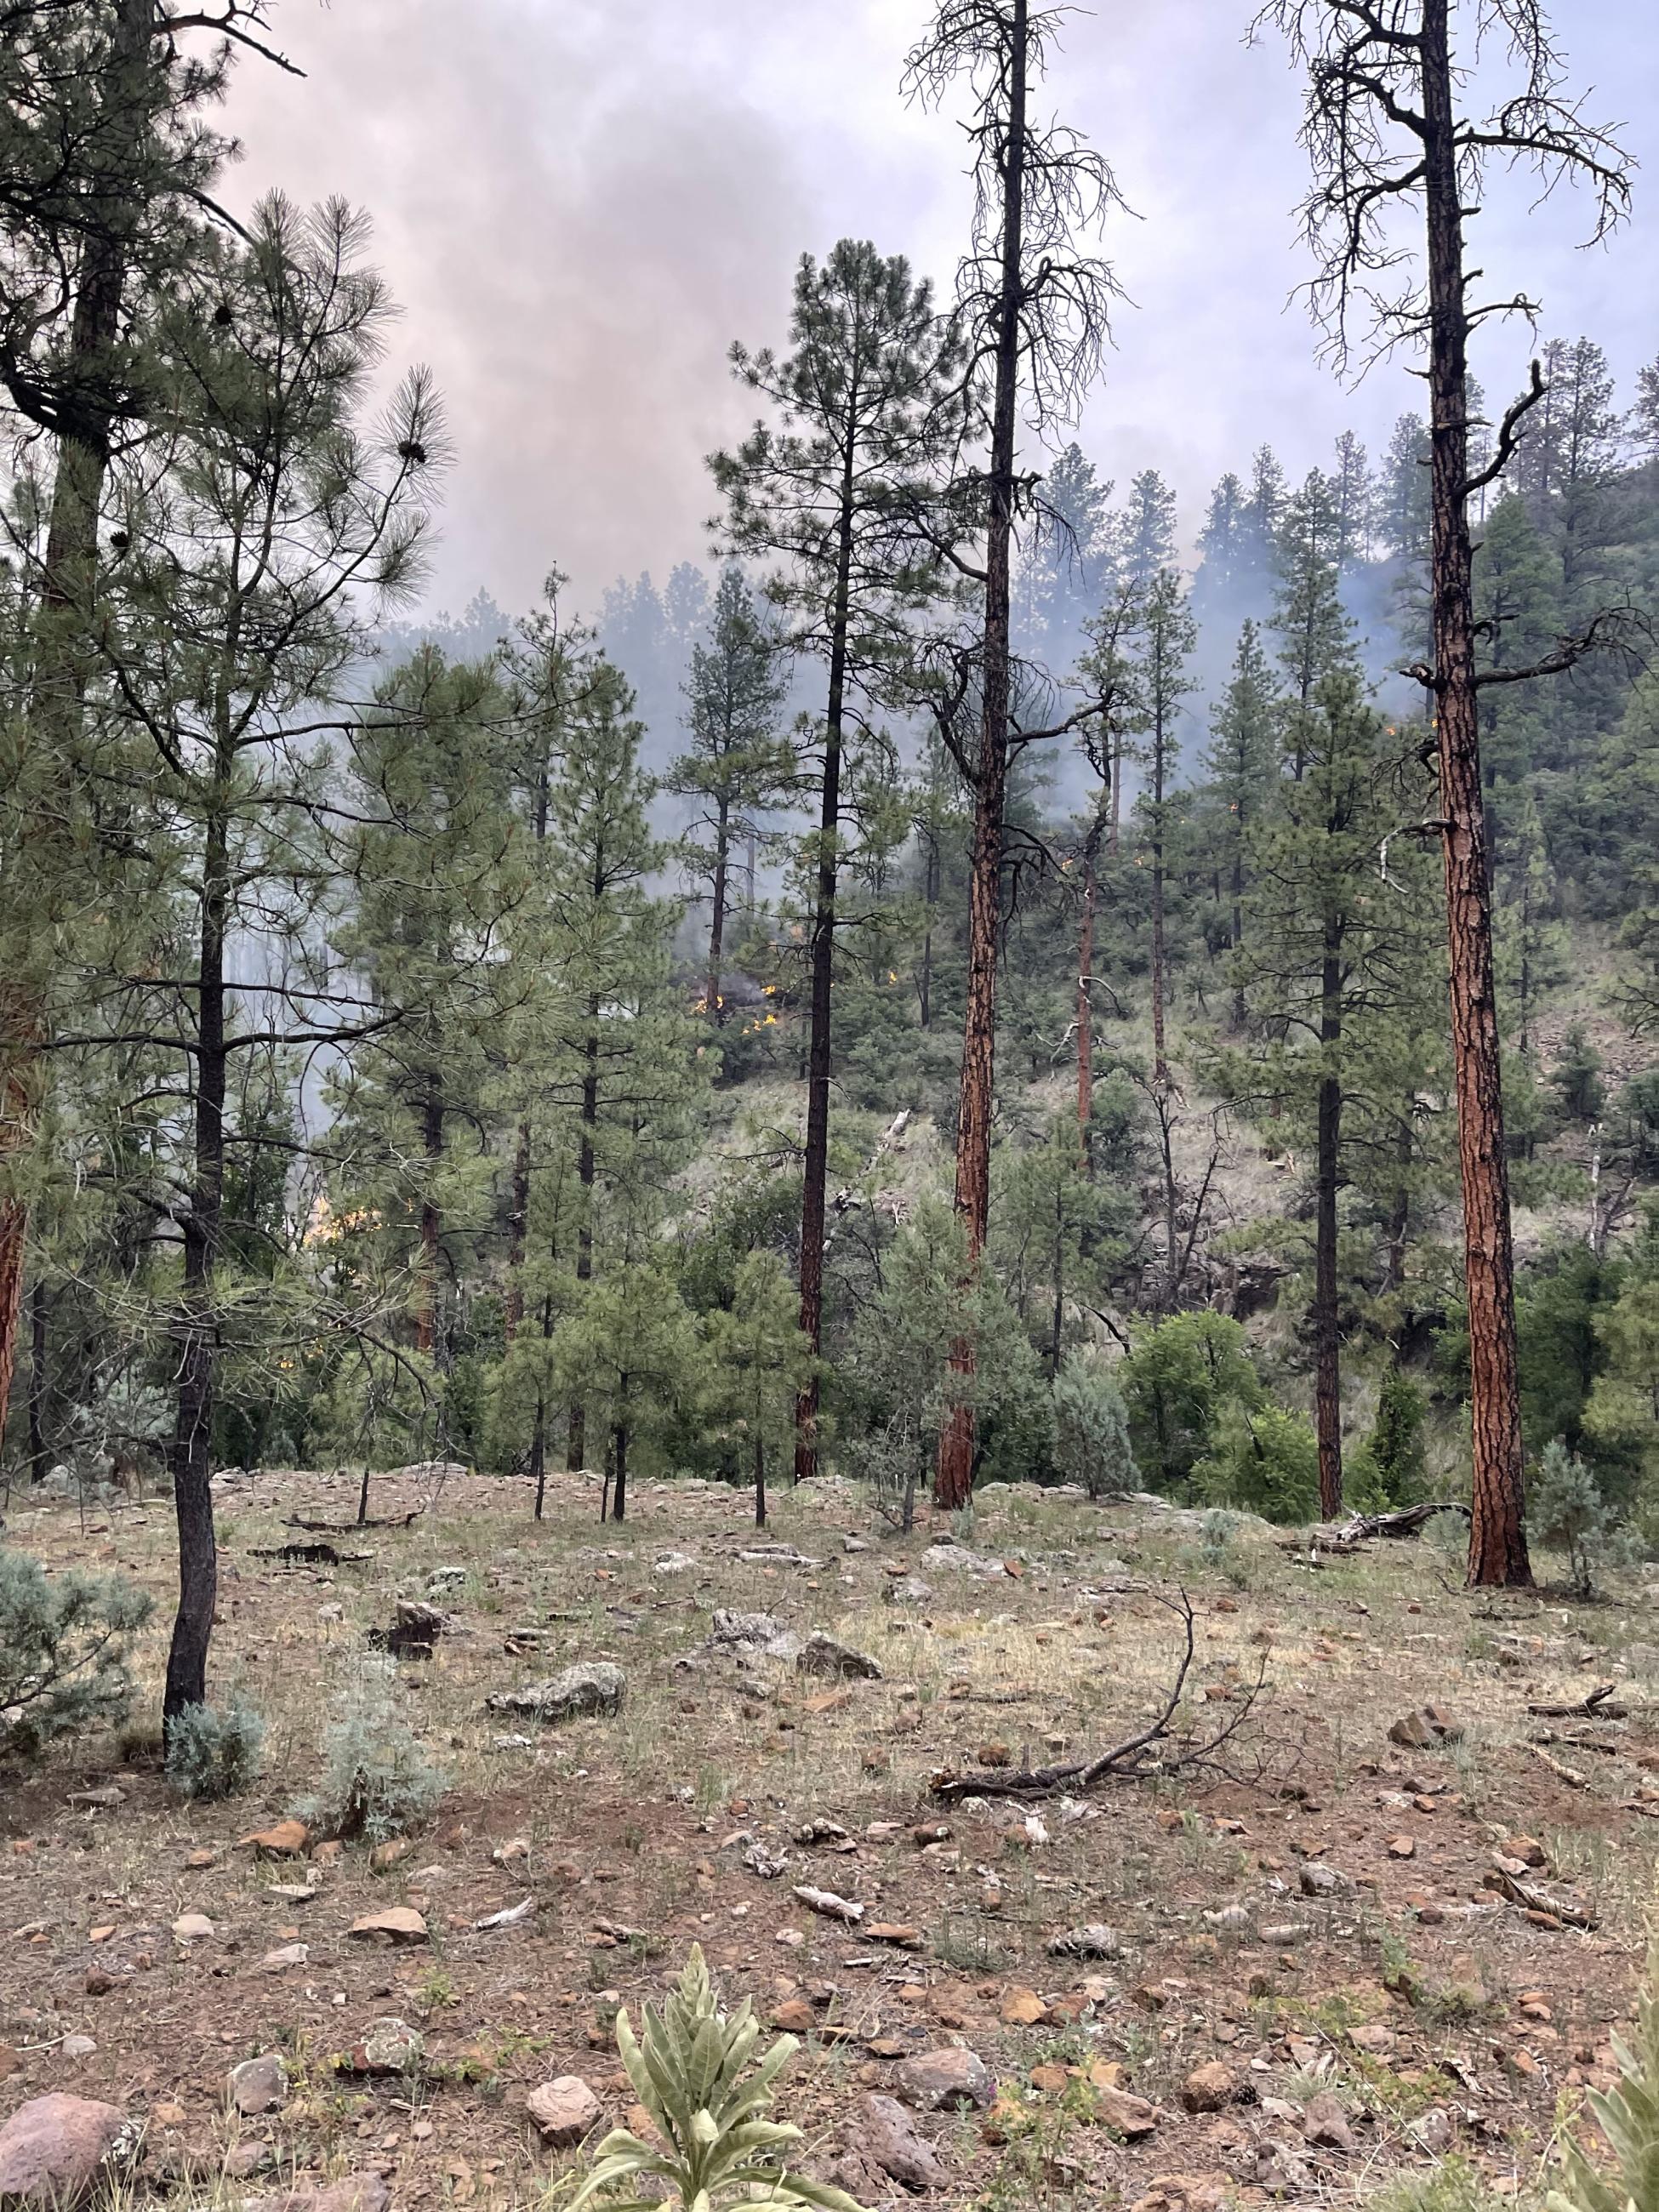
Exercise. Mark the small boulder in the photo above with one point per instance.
(888, 2137)
(1207, 2089)
(1095, 1940)
(192, 1927)
(1132, 2116)
(53, 2148)
(387, 2046)
(1318, 1880)
(591, 1689)
(945, 2080)
(1325, 2124)
(825, 1655)
(908, 1589)
(287, 1840)
(398, 1923)
(258, 2085)
(564, 2111)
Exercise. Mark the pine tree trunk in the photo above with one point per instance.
(196, 1327)
(86, 415)
(1328, 1375)
(1240, 1011)
(819, 1058)
(575, 1443)
(953, 1483)
(760, 1480)
(1085, 1011)
(39, 1382)
(619, 1453)
(1160, 1053)
(930, 900)
(1498, 1542)
(518, 1229)
(711, 998)
(1393, 1274)
(432, 1143)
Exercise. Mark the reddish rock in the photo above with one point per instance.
(52, 2149)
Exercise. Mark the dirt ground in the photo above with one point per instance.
(1298, 2036)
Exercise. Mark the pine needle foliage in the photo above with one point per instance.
(1628, 2115)
(64, 1644)
(693, 2068)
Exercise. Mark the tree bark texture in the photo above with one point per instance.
(1497, 1542)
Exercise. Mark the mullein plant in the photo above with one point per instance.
(692, 2067)
(1628, 2115)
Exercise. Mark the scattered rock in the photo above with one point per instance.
(1402, 1847)
(192, 1927)
(563, 2110)
(104, 1799)
(888, 2138)
(415, 1628)
(357, 2193)
(744, 1631)
(1325, 2124)
(673, 1563)
(53, 2148)
(1024, 2009)
(950, 2080)
(76, 2046)
(286, 1955)
(899, 1933)
(258, 2085)
(287, 1840)
(825, 1655)
(908, 1589)
(1318, 1880)
(795, 2017)
(1095, 1940)
(590, 1688)
(387, 2046)
(1431, 2131)
(1207, 2089)
(1131, 2116)
(957, 1559)
(398, 1923)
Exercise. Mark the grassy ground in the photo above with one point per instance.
(1437, 2016)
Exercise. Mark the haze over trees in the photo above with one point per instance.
(990, 978)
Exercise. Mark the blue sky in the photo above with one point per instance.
(580, 202)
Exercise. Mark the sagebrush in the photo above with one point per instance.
(214, 1750)
(377, 1779)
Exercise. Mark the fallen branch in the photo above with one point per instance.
(1567, 1774)
(1594, 1706)
(1158, 1748)
(1538, 1904)
(350, 1528)
(308, 1555)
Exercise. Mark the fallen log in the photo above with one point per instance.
(1593, 1706)
(350, 1528)
(308, 1555)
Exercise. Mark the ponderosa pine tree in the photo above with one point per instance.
(437, 871)
(738, 770)
(1351, 497)
(1146, 529)
(1382, 125)
(1309, 624)
(106, 167)
(842, 489)
(1240, 764)
(1110, 672)
(1033, 310)
(256, 561)
(1167, 639)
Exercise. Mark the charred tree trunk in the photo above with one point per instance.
(575, 1445)
(816, 1165)
(432, 1143)
(1327, 1375)
(717, 915)
(954, 1482)
(1085, 1012)
(1160, 1049)
(86, 414)
(518, 1229)
(196, 1325)
(1497, 1542)
(1240, 1011)
(39, 1381)
(619, 1456)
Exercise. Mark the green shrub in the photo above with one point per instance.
(64, 1643)
(1175, 1383)
(1566, 1511)
(1265, 1462)
(214, 1750)
(694, 2070)
(377, 1779)
(1628, 2116)
(1091, 1430)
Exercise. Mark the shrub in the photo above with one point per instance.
(1566, 1510)
(213, 1751)
(1092, 1431)
(64, 1644)
(377, 1779)
(693, 2070)
(1177, 1381)
(1628, 2116)
(1265, 1462)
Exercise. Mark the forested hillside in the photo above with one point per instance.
(954, 988)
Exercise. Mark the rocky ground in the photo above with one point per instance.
(1373, 1952)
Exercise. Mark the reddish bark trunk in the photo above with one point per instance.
(1086, 976)
(1497, 1542)
(1328, 1375)
(954, 1480)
